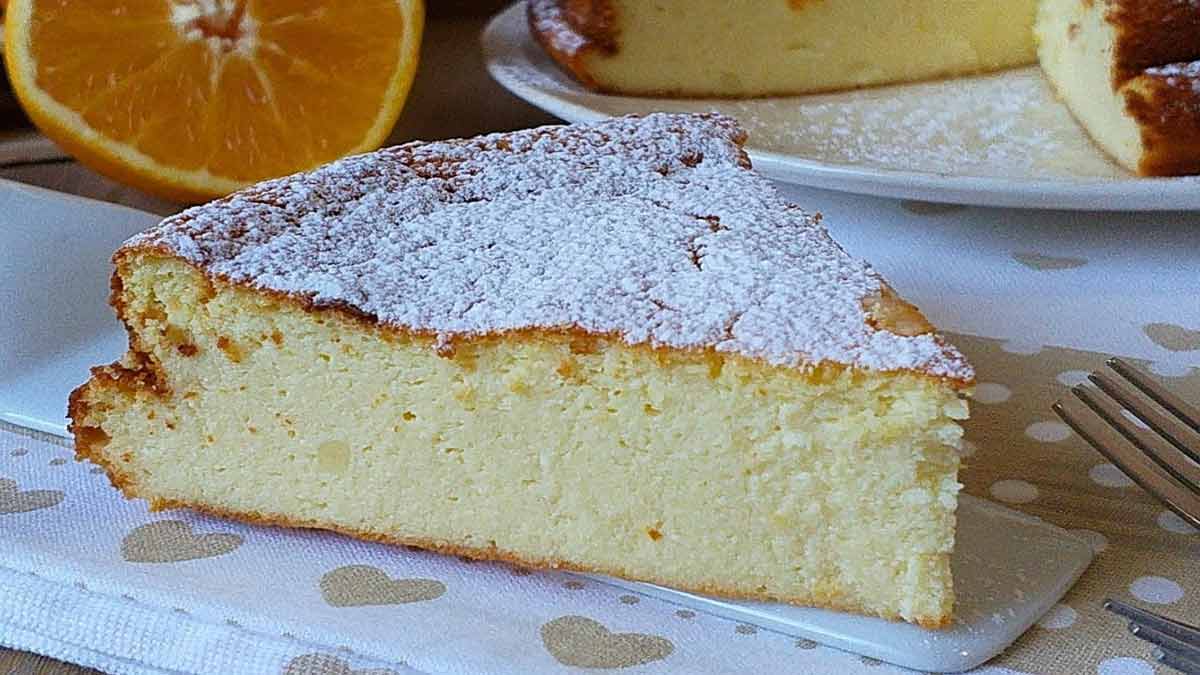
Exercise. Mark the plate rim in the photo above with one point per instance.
(1124, 195)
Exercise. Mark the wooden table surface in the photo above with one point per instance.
(453, 96)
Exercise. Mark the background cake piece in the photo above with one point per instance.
(1124, 68)
(778, 47)
(609, 347)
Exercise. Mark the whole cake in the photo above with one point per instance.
(1129, 70)
(609, 347)
(778, 47)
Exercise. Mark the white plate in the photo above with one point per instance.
(55, 322)
(996, 140)
(54, 270)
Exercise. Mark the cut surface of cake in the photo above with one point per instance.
(1129, 70)
(609, 347)
(778, 47)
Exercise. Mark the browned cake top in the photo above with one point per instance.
(1165, 101)
(653, 229)
(1182, 76)
(570, 29)
(575, 21)
(1151, 33)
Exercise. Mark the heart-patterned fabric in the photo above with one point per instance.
(580, 641)
(13, 500)
(228, 597)
(325, 664)
(361, 585)
(167, 541)
(1173, 338)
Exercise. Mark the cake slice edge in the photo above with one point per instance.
(143, 381)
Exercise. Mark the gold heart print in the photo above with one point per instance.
(1172, 338)
(584, 643)
(324, 664)
(1045, 263)
(12, 500)
(362, 585)
(169, 541)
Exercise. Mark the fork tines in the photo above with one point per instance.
(1178, 643)
(1147, 431)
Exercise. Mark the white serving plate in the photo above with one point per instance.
(54, 271)
(995, 140)
(55, 322)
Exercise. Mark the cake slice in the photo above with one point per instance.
(743, 49)
(610, 348)
(1129, 70)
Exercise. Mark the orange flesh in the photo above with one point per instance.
(242, 89)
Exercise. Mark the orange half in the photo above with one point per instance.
(193, 99)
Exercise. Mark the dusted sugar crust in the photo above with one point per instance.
(654, 229)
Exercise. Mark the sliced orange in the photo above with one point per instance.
(193, 99)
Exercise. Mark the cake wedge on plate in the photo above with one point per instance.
(717, 48)
(608, 347)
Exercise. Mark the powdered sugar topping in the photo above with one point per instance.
(1179, 74)
(549, 20)
(650, 228)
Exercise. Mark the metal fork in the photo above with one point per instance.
(1178, 643)
(1161, 453)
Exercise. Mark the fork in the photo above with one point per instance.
(1147, 431)
(1178, 643)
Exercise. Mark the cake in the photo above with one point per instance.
(610, 347)
(779, 47)
(1129, 70)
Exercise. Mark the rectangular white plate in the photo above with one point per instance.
(54, 269)
(55, 322)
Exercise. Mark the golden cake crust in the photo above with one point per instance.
(1165, 101)
(1151, 33)
(595, 20)
(1128, 71)
(572, 30)
(884, 311)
